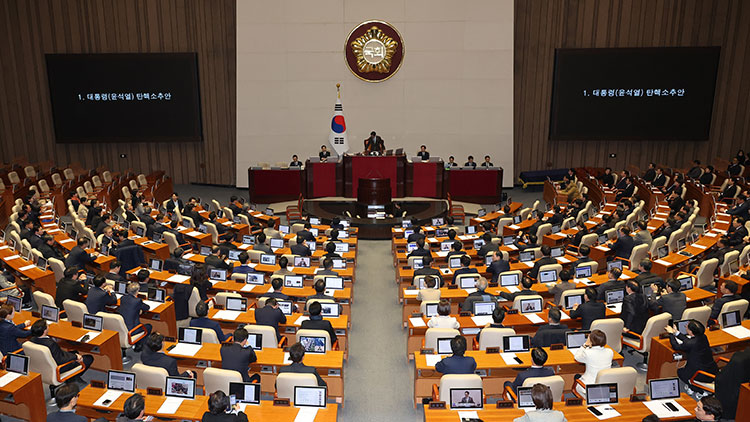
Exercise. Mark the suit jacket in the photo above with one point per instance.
(728, 381)
(478, 296)
(59, 355)
(237, 358)
(61, 416)
(676, 204)
(180, 296)
(729, 191)
(210, 324)
(497, 267)
(716, 308)
(160, 360)
(130, 309)
(304, 234)
(50, 252)
(741, 210)
(589, 312)
(659, 180)
(262, 247)
(462, 271)
(626, 192)
(531, 373)
(695, 172)
(171, 205)
(549, 334)
(623, 247)
(641, 237)
(512, 296)
(78, 257)
(224, 417)
(177, 234)
(734, 169)
(737, 235)
(414, 237)
(545, 260)
(429, 271)
(487, 248)
(698, 355)
(576, 240)
(68, 288)
(267, 315)
(607, 179)
(609, 285)
(650, 175)
(635, 312)
(301, 250)
(706, 178)
(559, 288)
(318, 323)
(9, 335)
(97, 299)
(216, 262)
(301, 368)
(456, 365)
(673, 303)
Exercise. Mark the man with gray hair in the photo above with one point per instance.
(479, 296)
(131, 307)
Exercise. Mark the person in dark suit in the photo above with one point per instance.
(526, 283)
(175, 203)
(174, 261)
(626, 191)
(428, 270)
(153, 356)
(36, 238)
(672, 301)
(645, 276)
(104, 222)
(300, 248)
(100, 295)
(221, 229)
(423, 153)
(470, 162)
(11, 332)
(420, 250)
(734, 168)
(613, 283)
(660, 179)
(546, 259)
(696, 171)
(730, 190)
(324, 153)
(729, 379)
(296, 354)
(47, 248)
(698, 352)
(497, 266)
(305, 234)
(316, 322)
(488, 246)
(66, 398)
(238, 356)
(650, 173)
(271, 316)
(479, 296)
(728, 291)
(201, 309)
(583, 256)
(607, 179)
(260, 244)
(78, 257)
(487, 162)
(634, 308)
(707, 176)
(741, 208)
(71, 286)
(320, 288)
(173, 229)
(457, 363)
(181, 297)
(243, 268)
(189, 211)
(498, 315)
(217, 260)
(277, 284)
(414, 237)
(590, 310)
(623, 246)
(558, 288)
(220, 409)
(582, 231)
(538, 358)
(465, 262)
(61, 357)
(737, 233)
(552, 333)
(133, 410)
(456, 249)
(131, 307)
(27, 229)
(374, 143)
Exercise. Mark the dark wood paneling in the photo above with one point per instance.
(31, 28)
(543, 25)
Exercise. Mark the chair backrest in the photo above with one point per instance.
(209, 336)
(625, 378)
(745, 254)
(41, 298)
(268, 335)
(700, 314)
(589, 239)
(432, 335)
(706, 271)
(107, 176)
(423, 305)
(502, 223)
(556, 384)
(211, 229)
(56, 179)
(255, 255)
(188, 221)
(729, 257)
(142, 179)
(149, 376)
(43, 186)
(221, 297)
(638, 254)
(315, 333)
(568, 223)
(228, 213)
(136, 224)
(195, 297)
(74, 310)
(571, 292)
(655, 245)
(518, 299)
(673, 238)
(96, 181)
(215, 379)
(524, 213)
(548, 267)
(13, 178)
(735, 305)
(88, 187)
(450, 381)
(542, 230)
(115, 322)
(171, 240)
(41, 362)
(493, 337)
(286, 381)
(654, 326)
(612, 327)
(133, 184)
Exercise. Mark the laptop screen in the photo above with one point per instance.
(682, 326)
(121, 380)
(556, 252)
(236, 304)
(341, 247)
(302, 261)
(254, 278)
(484, 308)
(334, 283)
(444, 346)
(313, 344)
(681, 244)
(284, 228)
(517, 219)
(406, 223)
(156, 294)
(601, 393)
(285, 306)
(121, 287)
(583, 271)
(468, 282)
(516, 343)
(481, 212)
(92, 322)
(268, 211)
(526, 256)
(730, 319)
(467, 398)
(248, 240)
(446, 246)
(575, 339)
(255, 340)
(338, 263)
(663, 251)
(205, 250)
(488, 260)
(268, 259)
(572, 300)
(17, 363)
(471, 229)
(310, 396)
(417, 264)
(734, 266)
(155, 264)
(508, 240)
(156, 237)
(614, 264)
(180, 387)
(455, 262)
(509, 279)
(315, 221)
(218, 274)
(41, 263)
(555, 229)
(531, 305)
(438, 221)
(602, 239)
(190, 335)
(615, 296)
(330, 310)
(234, 254)
(664, 388)
(478, 243)
(50, 313)
(430, 310)
(15, 302)
(525, 400)
(686, 283)
(441, 232)
(548, 276)
(276, 243)
(294, 281)
(140, 231)
(245, 392)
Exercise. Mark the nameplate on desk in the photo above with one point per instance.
(98, 384)
(76, 324)
(452, 287)
(493, 350)
(512, 311)
(169, 339)
(153, 391)
(416, 315)
(556, 346)
(464, 313)
(426, 351)
(492, 284)
(281, 402)
(437, 405)
(504, 404)
(573, 402)
(334, 372)
(638, 397)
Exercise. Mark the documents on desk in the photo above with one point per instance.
(470, 291)
(306, 414)
(534, 318)
(151, 304)
(67, 241)
(8, 378)
(188, 255)
(410, 292)
(563, 260)
(227, 315)
(482, 320)
(178, 278)
(287, 359)
(185, 349)
(110, 395)
(606, 412)
(170, 405)
(468, 415)
(417, 322)
(585, 281)
(663, 262)
(301, 319)
(92, 335)
(27, 267)
(737, 331)
(659, 408)
(247, 288)
(513, 226)
(529, 264)
(513, 289)
(564, 316)
(509, 358)
(194, 233)
(11, 258)
(432, 360)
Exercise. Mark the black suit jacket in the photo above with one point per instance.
(626, 192)
(429, 271)
(237, 358)
(61, 416)
(647, 277)
(216, 262)
(301, 250)
(68, 288)
(171, 205)
(623, 247)
(487, 248)
(698, 356)
(267, 315)
(320, 324)
(59, 355)
(635, 312)
(497, 267)
(50, 252)
(728, 381)
(97, 299)
(512, 296)
(549, 334)
(673, 303)
(659, 180)
(160, 360)
(609, 285)
(545, 260)
(79, 257)
(589, 312)
(304, 234)
(301, 368)
(719, 303)
(650, 175)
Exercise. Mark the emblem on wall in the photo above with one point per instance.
(374, 51)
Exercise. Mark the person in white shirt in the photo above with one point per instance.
(595, 356)
(443, 319)
(430, 292)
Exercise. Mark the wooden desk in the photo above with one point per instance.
(42, 280)
(661, 363)
(497, 371)
(743, 404)
(28, 398)
(188, 410)
(631, 412)
(514, 206)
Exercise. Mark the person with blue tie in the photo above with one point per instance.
(100, 295)
(537, 370)
(201, 309)
(131, 307)
(10, 332)
(457, 363)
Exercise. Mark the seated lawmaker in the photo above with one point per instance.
(443, 319)
(66, 399)
(590, 310)
(538, 359)
(428, 270)
(100, 295)
(202, 321)
(558, 288)
(488, 246)
(40, 336)
(672, 300)
(270, 315)
(316, 322)
(423, 154)
(498, 315)
(487, 162)
(131, 307)
(457, 363)
(295, 162)
(551, 333)
(221, 409)
(300, 248)
(698, 354)
(420, 250)
(153, 356)
(595, 355)
(470, 162)
(546, 259)
(324, 154)
(465, 262)
(296, 354)
(526, 283)
(479, 296)
(238, 356)
(728, 292)
(430, 292)
(72, 286)
(541, 395)
(11, 332)
(497, 266)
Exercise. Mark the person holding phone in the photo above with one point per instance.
(699, 356)
(222, 409)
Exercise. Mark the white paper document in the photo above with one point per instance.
(442, 254)
(431, 360)
(178, 278)
(301, 319)
(607, 412)
(417, 322)
(470, 291)
(188, 255)
(513, 226)
(170, 405)
(534, 318)
(8, 378)
(615, 307)
(482, 320)
(193, 233)
(659, 408)
(512, 247)
(467, 414)
(287, 359)
(66, 241)
(564, 316)
(185, 349)
(563, 260)
(27, 267)
(110, 395)
(529, 264)
(306, 414)
(509, 358)
(663, 262)
(513, 289)
(408, 292)
(738, 331)
(247, 288)
(152, 304)
(92, 335)
(11, 257)
(227, 315)
(432, 240)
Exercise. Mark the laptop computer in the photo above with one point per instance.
(50, 313)
(121, 380)
(471, 229)
(583, 271)
(294, 281)
(234, 254)
(338, 263)
(730, 319)
(576, 339)
(17, 363)
(236, 304)
(15, 302)
(601, 394)
(204, 250)
(248, 240)
(662, 251)
(275, 243)
(468, 282)
(155, 264)
(180, 387)
(444, 346)
(313, 344)
(614, 297)
(555, 229)
(682, 325)
(268, 259)
(217, 274)
(525, 399)
(438, 221)
(466, 398)
(531, 305)
(244, 392)
(315, 221)
(41, 263)
(664, 388)
(334, 282)
(478, 243)
(310, 396)
(255, 340)
(93, 322)
(283, 228)
(557, 252)
(616, 263)
(686, 283)
(302, 261)
(446, 246)
(430, 310)
(189, 335)
(548, 276)
(156, 237)
(572, 300)
(516, 344)
(507, 280)
(255, 278)
(330, 310)
(417, 263)
(455, 262)
(341, 247)
(140, 231)
(286, 306)
(508, 240)
(526, 256)
(602, 239)
(156, 294)
(483, 308)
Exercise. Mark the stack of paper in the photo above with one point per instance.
(663, 262)
(482, 320)
(563, 260)
(659, 408)
(247, 288)
(7, 378)
(188, 255)
(408, 292)
(110, 395)
(431, 360)
(534, 318)
(512, 247)
(26, 267)
(178, 278)
(66, 241)
(513, 289)
(185, 349)
(152, 304)
(92, 335)
(606, 412)
(468, 415)
(417, 322)
(194, 233)
(170, 405)
(301, 319)
(470, 291)
(529, 264)
(509, 358)
(564, 316)
(227, 315)
(306, 414)
(11, 257)
(738, 331)
(513, 226)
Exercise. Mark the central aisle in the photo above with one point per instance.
(379, 379)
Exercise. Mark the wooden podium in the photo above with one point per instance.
(374, 191)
